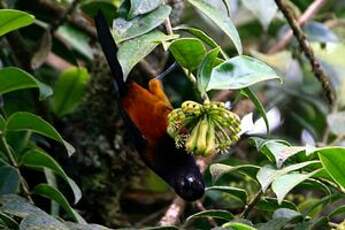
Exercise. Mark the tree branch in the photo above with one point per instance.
(306, 16)
(309, 53)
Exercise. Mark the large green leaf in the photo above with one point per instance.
(221, 19)
(50, 192)
(132, 51)
(216, 214)
(124, 30)
(13, 19)
(9, 180)
(142, 7)
(23, 121)
(69, 90)
(205, 69)
(237, 226)
(282, 185)
(12, 78)
(333, 161)
(236, 192)
(240, 72)
(188, 52)
(267, 174)
(217, 170)
(38, 159)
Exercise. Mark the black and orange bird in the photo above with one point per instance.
(145, 112)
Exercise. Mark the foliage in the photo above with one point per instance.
(282, 174)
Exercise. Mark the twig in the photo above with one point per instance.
(172, 215)
(249, 207)
(309, 53)
(201, 207)
(306, 16)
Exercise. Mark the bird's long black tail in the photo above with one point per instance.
(110, 49)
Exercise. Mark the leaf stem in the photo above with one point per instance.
(13, 162)
(251, 204)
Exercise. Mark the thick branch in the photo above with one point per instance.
(309, 53)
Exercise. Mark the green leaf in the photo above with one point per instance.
(264, 10)
(125, 30)
(69, 90)
(336, 123)
(285, 213)
(217, 170)
(188, 52)
(91, 7)
(267, 174)
(2, 123)
(38, 159)
(236, 192)
(269, 204)
(205, 69)
(142, 7)
(282, 185)
(258, 105)
(337, 211)
(132, 51)
(18, 206)
(237, 226)
(9, 180)
(240, 72)
(23, 121)
(333, 161)
(50, 192)
(35, 222)
(162, 228)
(14, 19)
(216, 214)
(12, 78)
(198, 34)
(221, 19)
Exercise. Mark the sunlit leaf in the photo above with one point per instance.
(282, 185)
(69, 90)
(50, 192)
(264, 10)
(205, 69)
(39, 159)
(12, 79)
(13, 19)
(217, 170)
(188, 52)
(240, 72)
(124, 30)
(23, 121)
(237, 226)
(221, 19)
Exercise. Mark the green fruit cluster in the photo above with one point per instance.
(203, 129)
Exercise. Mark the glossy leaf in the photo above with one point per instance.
(205, 69)
(134, 50)
(39, 159)
(13, 19)
(188, 52)
(216, 214)
(9, 180)
(221, 19)
(50, 192)
(240, 72)
(236, 192)
(333, 161)
(125, 30)
(69, 90)
(258, 105)
(12, 79)
(282, 185)
(142, 7)
(23, 121)
(217, 170)
(267, 174)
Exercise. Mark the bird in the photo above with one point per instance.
(145, 111)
